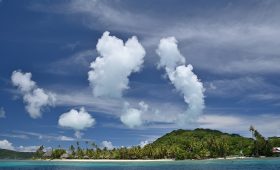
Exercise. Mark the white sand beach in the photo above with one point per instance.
(111, 160)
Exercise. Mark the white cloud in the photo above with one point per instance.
(117, 60)
(107, 144)
(183, 78)
(27, 148)
(240, 123)
(48, 137)
(5, 144)
(2, 113)
(35, 98)
(77, 120)
(218, 121)
(144, 143)
(230, 43)
(170, 56)
(64, 66)
(65, 138)
(23, 81)
(132, 117)
(78, 134)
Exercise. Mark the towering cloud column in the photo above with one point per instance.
(109, 74)
(117, 60)
(182, 77)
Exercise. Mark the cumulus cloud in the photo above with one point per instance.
(170, 56)
(2, 113)
(117, 60)
(144, 143)
(77, 120)
(182, 77)
(107, 144)
(5, 144)
(132, 117)
(35, 98)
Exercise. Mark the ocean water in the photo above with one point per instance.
(245, 164)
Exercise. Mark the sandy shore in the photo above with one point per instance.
(110, 160)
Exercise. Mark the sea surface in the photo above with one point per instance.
(245, 164)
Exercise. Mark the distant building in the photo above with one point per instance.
(86, 157)
(47, 154)
(276, 149)
(64, 156)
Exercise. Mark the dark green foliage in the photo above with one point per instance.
(274, 141)
(203, 143)
(181, 144)
(39, 152)
(8, 154)
(56, 153)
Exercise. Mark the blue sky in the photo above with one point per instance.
(233, 47)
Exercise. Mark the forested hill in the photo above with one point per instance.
(206, 143)
(8, 154)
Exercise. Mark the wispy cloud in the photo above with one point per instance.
(235, 44)
(73, 64)
(47, 137)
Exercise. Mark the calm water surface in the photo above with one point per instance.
(247, 164)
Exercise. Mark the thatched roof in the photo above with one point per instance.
(86, 157)
(47, 154)
(64, 156)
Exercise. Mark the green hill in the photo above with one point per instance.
(8, 154)
(200, 144)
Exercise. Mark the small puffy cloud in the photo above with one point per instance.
(2, 113)
(65, 138)
(35, 98)
(78, 134)
(23, 81)
(132, 117)
(76, 120)
(117, 60)
(5, 144)
(183, 78)
(107, 144)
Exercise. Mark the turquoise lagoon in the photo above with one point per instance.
(244, 164)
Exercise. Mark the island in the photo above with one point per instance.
(176, 145)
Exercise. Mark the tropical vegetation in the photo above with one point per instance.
(178, 144)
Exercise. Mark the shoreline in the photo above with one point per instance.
(110, 160)
(140, 160)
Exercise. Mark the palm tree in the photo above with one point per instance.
(78, 143)
(252, 129)
(72, 149)
(94, 145)
(254, 136)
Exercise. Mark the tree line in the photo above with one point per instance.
(179, 144)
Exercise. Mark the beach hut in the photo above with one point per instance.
(276, 149)
(86, 157)
(47, 154)
(64, 156)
